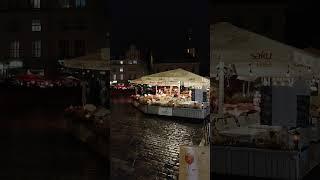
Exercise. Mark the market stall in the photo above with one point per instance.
(269, 111)
(176, 93)
(90, 122)
(93, 71)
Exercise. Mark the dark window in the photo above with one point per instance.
(65, 3)
(81, 3)
(80, 47)
(64, 49)
(36, 48)
(15, 49)
(35, 4)
(36, 25)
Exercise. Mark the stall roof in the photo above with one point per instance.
(234, 45)
(174, 78)
(93, 61)
(229, 37)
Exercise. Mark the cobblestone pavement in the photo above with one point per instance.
(146, 147)
(35, 145)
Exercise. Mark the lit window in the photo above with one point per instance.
(121, 62)
(36, 25)
(35, 4)
(130, 62)
(114, 77)
(121, 69)
(15, 49)
(188, 50)
(135, 62)
(121, 76)
(36, 48)
(80, 3)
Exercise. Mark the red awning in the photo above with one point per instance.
(29, 77)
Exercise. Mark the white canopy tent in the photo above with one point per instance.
(94, 61)
(177, 77)
(253, 55)
(268, 58)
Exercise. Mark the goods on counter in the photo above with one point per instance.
(168, 101)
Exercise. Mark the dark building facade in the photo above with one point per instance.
(40, 32)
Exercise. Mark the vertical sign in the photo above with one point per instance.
(194, 163)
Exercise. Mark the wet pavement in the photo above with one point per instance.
(35, 144)
(145, 147)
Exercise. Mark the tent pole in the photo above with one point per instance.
(248, 90)
(243, 88)
(221, 88)
(84, 89)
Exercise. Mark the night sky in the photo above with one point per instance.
(302, 28)
(160, 26)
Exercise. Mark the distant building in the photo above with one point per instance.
(266, 18)
(40, 32)
(188, 61)
(129, 67)
(133, 65)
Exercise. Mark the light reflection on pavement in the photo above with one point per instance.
(147, 147)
